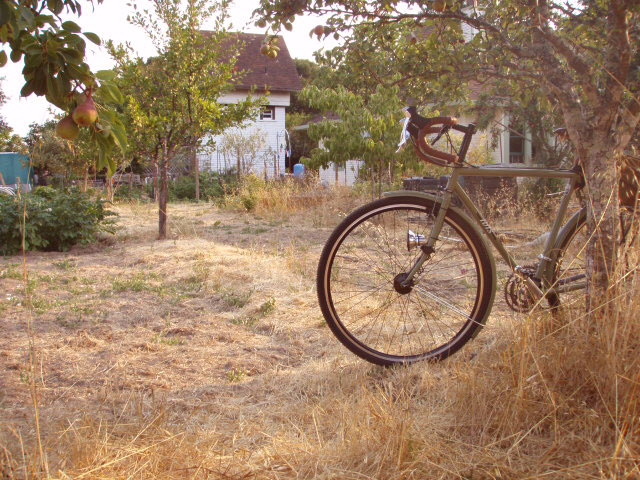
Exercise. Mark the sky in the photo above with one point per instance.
(109, 21)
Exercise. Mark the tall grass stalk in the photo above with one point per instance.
(40, 458)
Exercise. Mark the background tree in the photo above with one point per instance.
(53, 52)
(72, 160)
(368, 129)
(299, 112)
(172, 98)
(584, 55)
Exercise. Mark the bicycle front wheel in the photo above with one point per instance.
(360, 277)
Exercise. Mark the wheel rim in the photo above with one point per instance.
(361, 283)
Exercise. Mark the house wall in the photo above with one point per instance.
(345, 176)
(498, 149)
(270, 158)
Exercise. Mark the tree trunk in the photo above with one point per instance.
(196, 172)
(601, 195)
(164, 193)
(156, 165)
(109, 188)
(86, 179)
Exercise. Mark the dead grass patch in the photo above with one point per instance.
(205, 356)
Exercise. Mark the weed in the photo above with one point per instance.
(66, 264)
(69, 323)
(237, 300)
(268, 307)
(254, 230)
(170, 341)
(236, 374)
(138, 283)
(11, 271)
(248, 322)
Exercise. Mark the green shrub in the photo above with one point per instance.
(212, 186)
(55, 220)
(126, 192)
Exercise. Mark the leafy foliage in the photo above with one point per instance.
(55, 220)
(59, 156)
(212, 186)
(172, 99)
(368, 129)
(53, 52)
(582, 59)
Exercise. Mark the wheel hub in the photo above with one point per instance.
(398, 284)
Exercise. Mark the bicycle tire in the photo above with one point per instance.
(462, 287)
(569, 257)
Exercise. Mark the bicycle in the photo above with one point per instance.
(410, 277)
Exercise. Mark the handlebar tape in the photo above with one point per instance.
(419, 127)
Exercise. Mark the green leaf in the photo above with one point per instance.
(55, 6)
(28, 88)
(107, 75)
(93, 38)
(70, 26)
(119, 136)
(3, 58)
(112, 92)
(5, 13)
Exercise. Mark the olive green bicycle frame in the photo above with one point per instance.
(546, 266)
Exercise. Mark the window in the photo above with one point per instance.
(516, 145)
(268, 113)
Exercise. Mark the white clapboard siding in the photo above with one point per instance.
(272, 155)
(346, 175)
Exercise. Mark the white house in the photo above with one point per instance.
(265, 136)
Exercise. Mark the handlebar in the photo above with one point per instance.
(418, 127)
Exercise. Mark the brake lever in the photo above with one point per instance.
(443, 130)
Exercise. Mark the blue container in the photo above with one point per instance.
(298, 170)
(14, 168)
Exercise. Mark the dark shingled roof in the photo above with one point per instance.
(261, 72)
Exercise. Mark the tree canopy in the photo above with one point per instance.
(582, 57)
(172, 99)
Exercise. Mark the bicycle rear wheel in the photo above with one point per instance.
(360, 273)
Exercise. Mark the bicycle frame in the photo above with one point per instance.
(546, 265)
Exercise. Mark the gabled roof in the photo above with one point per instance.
(261, 72)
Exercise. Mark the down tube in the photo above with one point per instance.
(464, 198)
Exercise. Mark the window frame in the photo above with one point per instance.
(271, 109)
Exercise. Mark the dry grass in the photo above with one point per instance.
(205, 356)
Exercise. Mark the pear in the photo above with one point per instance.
(85, 114)
(67, 128)
(440, 5)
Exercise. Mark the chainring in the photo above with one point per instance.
(516, 293)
